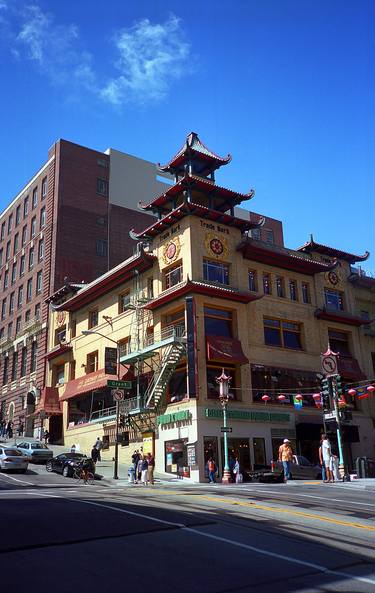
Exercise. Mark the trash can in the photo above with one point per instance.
(131, 474)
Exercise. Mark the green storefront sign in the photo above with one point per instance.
(172, 418)
(248, 415)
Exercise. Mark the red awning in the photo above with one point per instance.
(87, 383)
(49, 402)
(225, 350)
(349, 368)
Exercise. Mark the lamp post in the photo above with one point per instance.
(224, 381)
(89, 332)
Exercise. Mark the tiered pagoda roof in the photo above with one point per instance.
(331, 252)
(196, 155)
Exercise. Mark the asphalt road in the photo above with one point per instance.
(59, 536)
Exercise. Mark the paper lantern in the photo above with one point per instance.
(281, 397)
(298, 397)
(370, 388)
(316, 397)
(352, 392)
(265, 398)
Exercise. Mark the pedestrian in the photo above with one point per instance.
(326, 454)
(334, 464)
(139, 469)
(211, 470)
(150, 468)
(10, 429)
(20, 429)
(231, 463)
(135, 459)
(99, 446)
(321, 461)
(46, 437)
(144, 471)
(286, 457)
(3, 425)
(94, 455)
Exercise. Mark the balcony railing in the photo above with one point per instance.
(176, 332)
(32, 324)
(126, 406)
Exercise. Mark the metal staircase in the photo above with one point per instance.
(154, 396)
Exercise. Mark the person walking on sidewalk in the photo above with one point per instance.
(286, 457)
(144, 471)
(327, 454)
(135, 459)
(139, 469)
(99, 446)
(321, 461)
(150, 468)
(211, 470)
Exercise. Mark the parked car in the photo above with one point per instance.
(65, 463)
(36, 451)
(300, 469)
(11, 458)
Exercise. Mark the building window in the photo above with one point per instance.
(31, 258)
(42, 218)
(280, 291)
(6, 280)
(73, 328)
(93, 318)
(14, 365)
(18, 215)
(269, 236)
(11, 303)
(293, 290)
(22, 265)
(284, 334)
(20, 297)
(5, 370)
(44, 188)
(26, 206)
(60, 374)
(10, 329)
(7, 251)
(124, 346)
(252, 278)
(305, 293)
(35, 198)
(27, 315)
(101, 247)
(92, 362)
(14, 273)
(150, 288)
(215, 271)
(10, 223)
(267, 284)
(218, 322)
(2, 231)
(3, 309)
(34, 352)
(37, 311)
(33, 227)
(172, 276)
(102, 186)
(29, 290)
(339, 342)
(123, 301)
(255, 234)
(18, 325)
(72, 370)
(334, 300)
(39, 282)
(23, 362)
(101, 221)
(24, 235)
(41, 250)
(15, 244)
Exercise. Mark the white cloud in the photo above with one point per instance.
(151, 56)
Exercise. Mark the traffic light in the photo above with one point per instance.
(122, 421)
(339, 390)
(326, 394)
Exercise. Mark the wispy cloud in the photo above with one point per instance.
(151, 56)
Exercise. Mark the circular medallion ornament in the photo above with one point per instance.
(216, 245)
(61, 316)
(171, 251)
(333, 278)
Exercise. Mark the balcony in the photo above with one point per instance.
(6, 343)
(146, 347)
(32, 325)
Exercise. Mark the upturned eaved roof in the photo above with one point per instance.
(194, 149)
(312, 246)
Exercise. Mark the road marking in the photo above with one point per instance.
(352, 502)
(16, 479)
(318, 567)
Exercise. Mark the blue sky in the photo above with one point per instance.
(286, 87)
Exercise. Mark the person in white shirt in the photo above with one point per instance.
(327, 454)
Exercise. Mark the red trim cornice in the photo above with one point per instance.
(351, 258)
(282, 258)
(58, 350)
(340, 317)
(191, 286)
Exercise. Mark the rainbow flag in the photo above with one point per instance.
(297, 403)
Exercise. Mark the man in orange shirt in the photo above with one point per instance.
(286, 457)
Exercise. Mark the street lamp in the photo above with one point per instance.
(224, 381)
(89, 332)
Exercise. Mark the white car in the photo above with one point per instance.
(36, 451)
(11, 458)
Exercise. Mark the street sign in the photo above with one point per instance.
(330, 416)
(118, 394)
(226, 429)
(329, 365)
(119, 384)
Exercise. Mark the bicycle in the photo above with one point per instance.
(83, 475)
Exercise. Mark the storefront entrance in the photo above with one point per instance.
(237, 448)
(176, 457)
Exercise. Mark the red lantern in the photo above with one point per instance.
(281, 397)
(370, 388)
(265, 398)
(352, 392)
(298, 397)
(316, 397)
